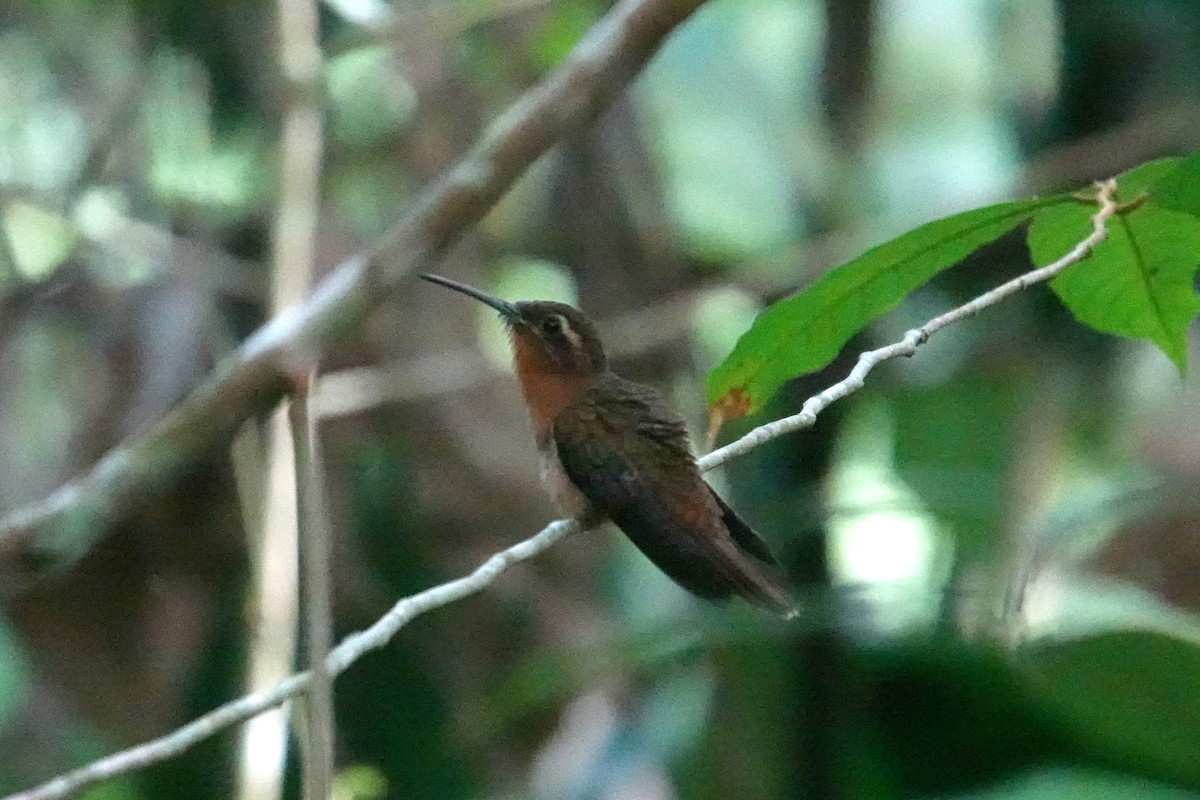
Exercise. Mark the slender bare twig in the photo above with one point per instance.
(53, 534)
(380, 633)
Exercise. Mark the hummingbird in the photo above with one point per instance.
(610, 447)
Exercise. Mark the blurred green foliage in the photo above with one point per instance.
(1039, 477)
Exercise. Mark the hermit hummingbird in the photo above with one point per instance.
(613, 448)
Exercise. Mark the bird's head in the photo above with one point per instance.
(548, 338)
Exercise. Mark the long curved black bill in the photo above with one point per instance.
(507, 310)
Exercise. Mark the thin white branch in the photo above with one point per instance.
(908, 345)
(356, 645)
(350, 650)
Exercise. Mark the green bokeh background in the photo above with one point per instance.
(995, 543)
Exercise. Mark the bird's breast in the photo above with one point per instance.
(554, 478)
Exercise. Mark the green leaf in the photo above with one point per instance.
(1137, 284)
(1131, 696)
(803, 333)
(1180, 189)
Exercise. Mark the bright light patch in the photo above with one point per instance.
(881, 547)
(879, 531)
(367, 13)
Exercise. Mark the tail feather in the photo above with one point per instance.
(760, 582)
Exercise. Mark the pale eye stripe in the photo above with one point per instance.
(570, 333)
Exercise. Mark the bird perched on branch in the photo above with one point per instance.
(614, 448)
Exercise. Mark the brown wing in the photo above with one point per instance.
(628, 454)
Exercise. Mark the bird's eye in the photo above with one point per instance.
(552, 325)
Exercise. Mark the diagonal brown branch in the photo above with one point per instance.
(55, 533)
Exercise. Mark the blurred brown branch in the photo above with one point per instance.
(53, 534)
